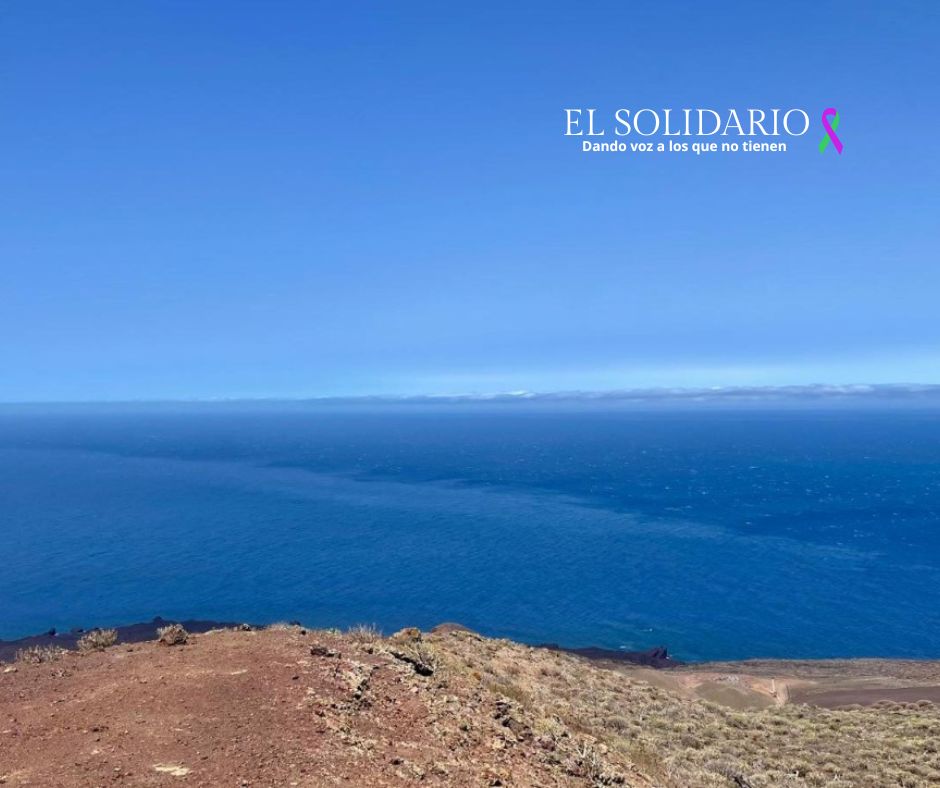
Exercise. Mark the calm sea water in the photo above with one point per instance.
(719, 535)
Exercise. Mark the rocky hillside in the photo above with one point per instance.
(286, 706)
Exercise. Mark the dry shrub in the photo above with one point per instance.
(589, 763)
(509, 690)
(35, 655)
(364, 633)
(421, 655)
(282, 626)
(97, 640)
(172, 635)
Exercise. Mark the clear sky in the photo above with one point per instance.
(228, 199)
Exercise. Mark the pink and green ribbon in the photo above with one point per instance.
(830, 130)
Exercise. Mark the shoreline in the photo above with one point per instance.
(656, 657)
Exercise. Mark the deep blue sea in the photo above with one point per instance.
(717, 534)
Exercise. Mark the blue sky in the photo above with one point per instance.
(293, 199)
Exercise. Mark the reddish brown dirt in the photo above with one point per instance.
(258, 708)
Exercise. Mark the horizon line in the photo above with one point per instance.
(789, 392)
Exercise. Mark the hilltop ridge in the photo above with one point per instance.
(298, 707)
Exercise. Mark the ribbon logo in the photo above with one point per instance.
(830, 130)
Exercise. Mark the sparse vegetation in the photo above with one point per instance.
(97, 640)
(681, 742)
(35, 655)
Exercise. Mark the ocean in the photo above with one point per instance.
(719, 534)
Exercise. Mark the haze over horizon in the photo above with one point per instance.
(904, 395)
(307, 200)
